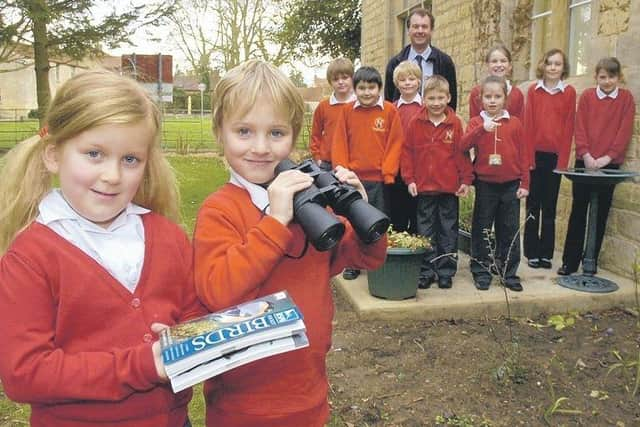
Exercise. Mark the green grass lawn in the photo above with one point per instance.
(183, 134)
(198, 176)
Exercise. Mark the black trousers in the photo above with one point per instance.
(540, 226)
(402, 207)
(377, 193)
(576, 230)
(497, 206)
(437, 216)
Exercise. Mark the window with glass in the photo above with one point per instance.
(540, 31)
(579, 25)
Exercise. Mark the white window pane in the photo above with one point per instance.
(540, 6)
(578, 36)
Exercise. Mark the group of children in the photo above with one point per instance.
(419, 143)
(92, 270)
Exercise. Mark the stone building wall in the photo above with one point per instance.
(467, 28)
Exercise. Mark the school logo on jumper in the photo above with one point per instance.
(448, 137)
(378, 124)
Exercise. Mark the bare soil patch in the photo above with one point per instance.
(490, 372)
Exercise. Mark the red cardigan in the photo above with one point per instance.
(604, 126)
(323, 127)
(368, 140)
(515, 102)
(77, 344)
(512, 147)
(241, 254)
(549, 122)
(432, 157)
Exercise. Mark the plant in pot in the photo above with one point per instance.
(397, 278)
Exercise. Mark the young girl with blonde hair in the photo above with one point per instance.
(92, 270)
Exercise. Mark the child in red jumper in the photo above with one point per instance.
(549, 120)
(438, 172)
(368, 140)
(498, 61)
(502, 179)
(325, 116)
(406, 77)
(91, 271)
(604, 125)
(246, 246)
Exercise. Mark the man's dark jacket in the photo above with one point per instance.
(442, 65)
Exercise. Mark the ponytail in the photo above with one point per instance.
(25, 180)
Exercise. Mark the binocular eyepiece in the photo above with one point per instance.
(323, 229)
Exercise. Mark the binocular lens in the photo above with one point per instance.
(322, 228)
(369, 223)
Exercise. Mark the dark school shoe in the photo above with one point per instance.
(350, 273)
(445, 282)
(514, 284)
(482, 284)
(534, 263)
(545, 263)
(425, 282)
(565, 270)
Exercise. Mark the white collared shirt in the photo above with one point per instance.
(559, 87)
(118, 248)
(427, 66)
(602, 95)
(509, 86)
(259, 195)
(380, 103)
(416, 99)
(487, 118)
(334, 101)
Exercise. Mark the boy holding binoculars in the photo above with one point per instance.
(247, 245)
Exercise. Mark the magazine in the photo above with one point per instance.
(215, 335)
(240, 357)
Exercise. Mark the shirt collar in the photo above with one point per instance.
(509, 86)
(333, 100)
(425, 55)
(559, 87)
(487, 118)
(380, 103)
(416, 100)
(54, 207)
(602, 95)
(259, 195)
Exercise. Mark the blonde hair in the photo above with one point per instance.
(238, 91)
(406, 68)
(339, 66)
(436, 82)
(87, 100)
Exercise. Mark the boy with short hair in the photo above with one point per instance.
(246, 246)
(325, 116)
(368, 140)
(407, 77)
(437, 172)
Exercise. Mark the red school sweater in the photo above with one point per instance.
(77, 344)
(323, 127)
(368, 140)
(511, 146)
(549, 122)
(604, 126)
(515, 102)
(432, 157)
(240, 254)
(407, 112)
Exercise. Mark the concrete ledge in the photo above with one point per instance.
(541, 295)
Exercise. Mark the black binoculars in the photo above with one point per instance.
(323, 229)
